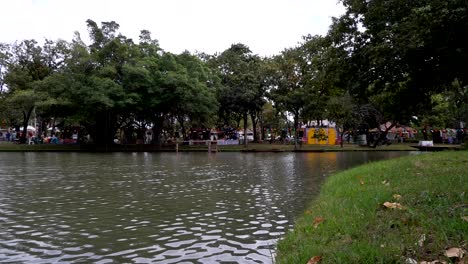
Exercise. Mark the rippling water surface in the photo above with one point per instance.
(156, 208)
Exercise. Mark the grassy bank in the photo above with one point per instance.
(348, 222)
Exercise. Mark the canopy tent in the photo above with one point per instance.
(55, 130)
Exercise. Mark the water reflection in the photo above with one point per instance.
(162, 207)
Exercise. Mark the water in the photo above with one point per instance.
(157, 208)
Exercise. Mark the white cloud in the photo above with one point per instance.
(266, 26)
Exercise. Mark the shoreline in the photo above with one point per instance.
(252, 148)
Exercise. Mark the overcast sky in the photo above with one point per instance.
(266, 26)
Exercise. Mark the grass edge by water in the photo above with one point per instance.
(348, 223)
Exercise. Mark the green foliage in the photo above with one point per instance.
(26, 65)
(4, 62)
(382, 61)
(345, 113)
(273, 119)
(402, 52)
(240, 90)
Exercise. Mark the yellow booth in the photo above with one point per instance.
(321, 136)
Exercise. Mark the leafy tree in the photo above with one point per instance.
(30, 64)
(290, 93)
(5, 117)
(264, 74)
(240, 93)
(319, 63)
(400, 53)
(458, 103)
(97, 72)
(344, 112)
(273, 120)
(449, 109)
(196, 101)
(161, 90)
(4, 61)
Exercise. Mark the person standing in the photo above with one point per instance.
(75, 136)
(459, 136)
(54, 139)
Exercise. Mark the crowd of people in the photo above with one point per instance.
(31, 137)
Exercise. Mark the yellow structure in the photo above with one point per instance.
(326, 136)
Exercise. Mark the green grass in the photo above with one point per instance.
(359, 229)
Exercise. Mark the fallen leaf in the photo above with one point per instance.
(318, 220)
(314, 260)
(396, 196)
(385, 182)
(465, 218)
(454, 253)
(308, 212)
(393, 205)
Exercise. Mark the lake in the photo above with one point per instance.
(157, 207)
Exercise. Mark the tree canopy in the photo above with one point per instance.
(381, 61)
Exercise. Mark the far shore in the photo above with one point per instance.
(251, 147)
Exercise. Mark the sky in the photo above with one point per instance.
(210, 26)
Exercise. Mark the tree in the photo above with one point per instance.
(319, 64)
(4, 61)
(97, 75)
(290, 93)
(458, 103)
(30, 64)
(5, 109)
(449, 109)
(196, 93)
(273, 120)
(240, 92)
(400, 53)
(344, 112)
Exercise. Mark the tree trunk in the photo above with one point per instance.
(182, 127)
(254, 126)
(245, 129)
(262, 128)
(296, 124)
(105, 128)
(341, 136)
(383, 136)
(157, 130)
(26, 116)
(43, 131)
